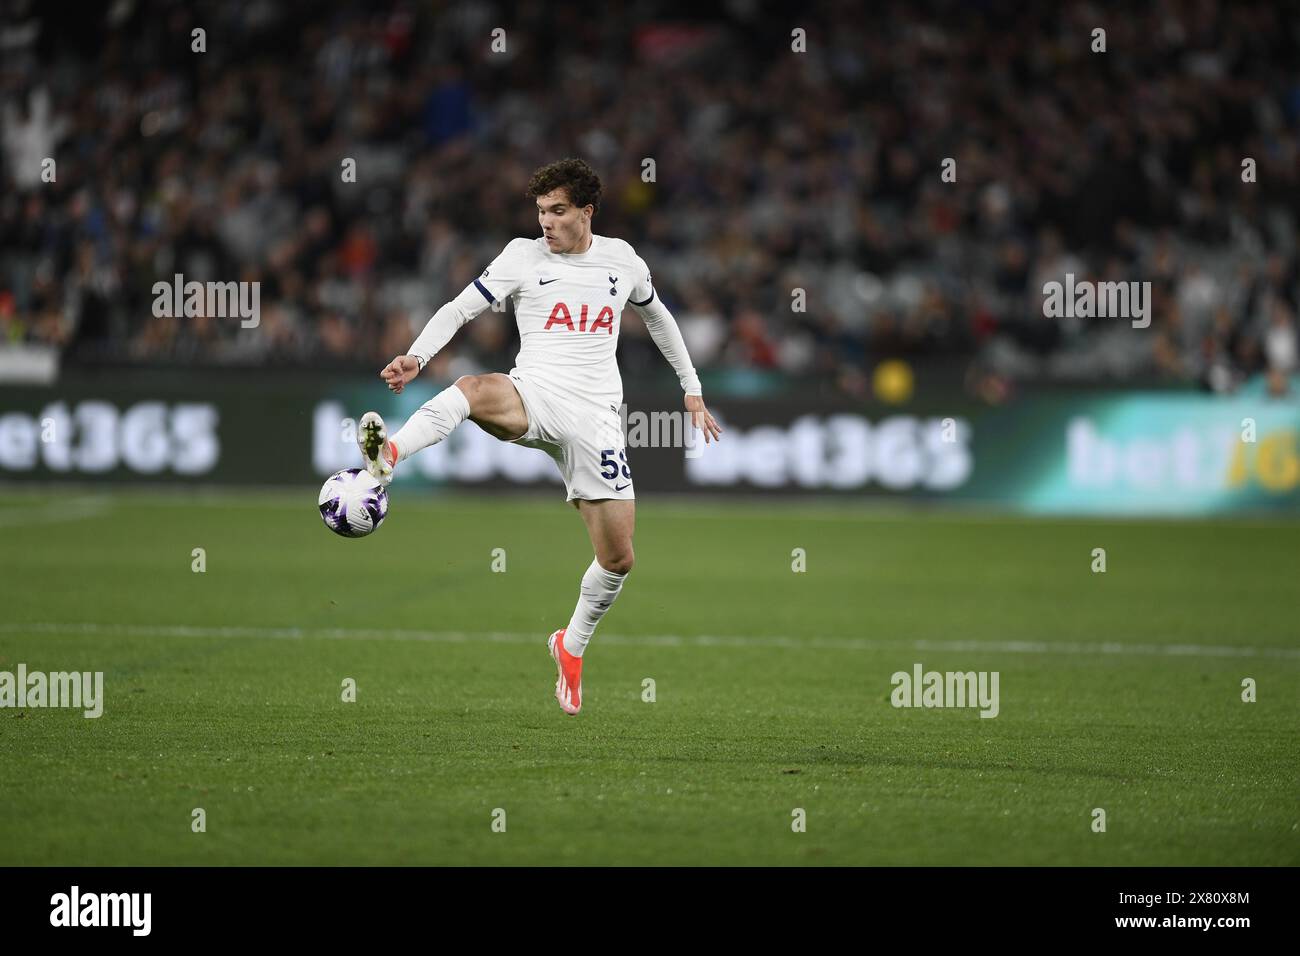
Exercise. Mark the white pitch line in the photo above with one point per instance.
(658, 640)
(55, 513)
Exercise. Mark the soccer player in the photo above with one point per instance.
(569, 287)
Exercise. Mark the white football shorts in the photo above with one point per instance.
(582, 435)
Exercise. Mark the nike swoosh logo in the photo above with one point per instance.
(546, 281)
(621, 487)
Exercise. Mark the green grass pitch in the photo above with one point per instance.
(223, 689)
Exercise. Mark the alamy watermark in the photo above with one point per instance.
(76, 908)
(218, 300)
(658, 429)
(923, 688)
(80, 690)
(1103, 300)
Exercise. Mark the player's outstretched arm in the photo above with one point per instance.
(505, 272)
(437, 333)
(399, 371)
(668, 337)
(701, 418)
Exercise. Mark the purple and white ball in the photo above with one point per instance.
(353, 503)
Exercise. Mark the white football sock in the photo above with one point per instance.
(599, 589)
(432, 422)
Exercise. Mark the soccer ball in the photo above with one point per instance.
(353, 503)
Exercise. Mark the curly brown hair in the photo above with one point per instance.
(574, 176)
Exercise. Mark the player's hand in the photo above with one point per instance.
(701, 419)
(400, 371)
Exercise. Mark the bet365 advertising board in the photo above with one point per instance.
(1094, 452)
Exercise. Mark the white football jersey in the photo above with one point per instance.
(568, 308)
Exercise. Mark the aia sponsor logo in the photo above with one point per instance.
(561, 317)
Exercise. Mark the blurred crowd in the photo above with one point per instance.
(791, 202)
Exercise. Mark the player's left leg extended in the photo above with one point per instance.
(610, 523)
(491, 401)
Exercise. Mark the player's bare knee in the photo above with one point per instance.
(468, 384)
(618, 562)
(478, 392)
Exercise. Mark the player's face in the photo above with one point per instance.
(564, 225)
